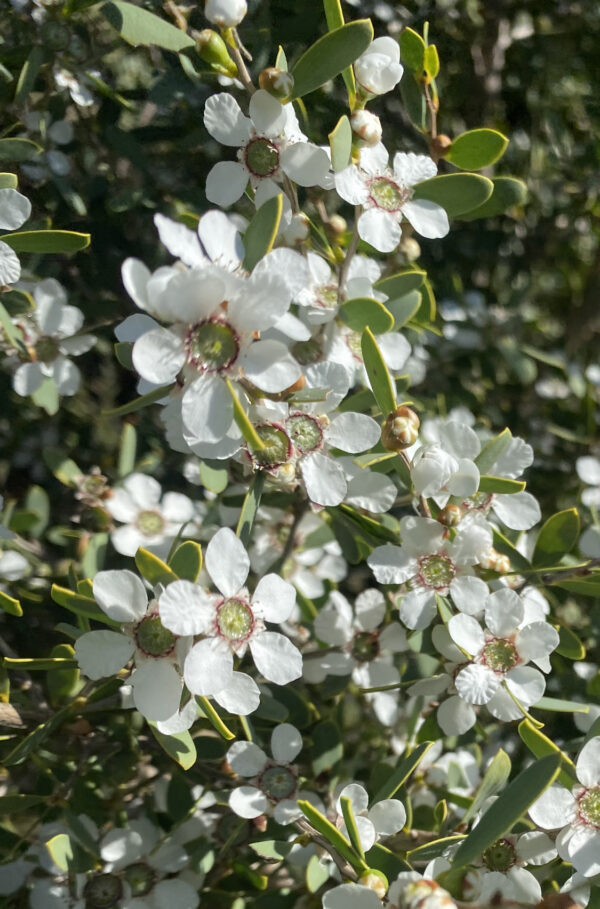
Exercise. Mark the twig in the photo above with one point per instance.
(242, 69)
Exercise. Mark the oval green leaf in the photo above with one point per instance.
(180, 746)
(412, 50)
(508, 192)
(364, 312)
(137, 26)
(18, 149)
(456, 193)
(186, 561)
(153, 569)
(402, 283)
(501, 485)
(477, 148)
(377, 371)
(556, 538)
(47, 241)
(340, 144)
(331, 54)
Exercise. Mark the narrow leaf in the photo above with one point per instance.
(80, 605)
(47, 241)
(501, 485)
(377, 371)
(137, 26)
(331, 834)
(241, 418)
(139, 403)
(541, 746)
(406, 765)
(493, 780)
(180, 746)
(365, 312)
(18, 150)
(351, 827)
(340, 144)
(262, 230)
(250, 507)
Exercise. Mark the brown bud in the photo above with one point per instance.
(440, 146)
(450, 516)
(401, 429)
(277, 82)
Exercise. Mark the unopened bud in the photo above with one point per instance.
(401, 429)
(225, 13)
(299, 228)
(425, 894)
(410, 248)
(440, 146)
(277, 82)
(367, 126)
(337, 225)
(450, 516)
(495, 561)
(376, 881)
(212, 49)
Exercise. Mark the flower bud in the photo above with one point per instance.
(212, 49)
(425, 894)
(376, 881)
(277, 82)
(440, 146)
(225, 13)
(400, 430)
(495, 561)
(367, 126)
(336, 226)
(410, 248)
(378, 70)
(450, 516)
(298, 230)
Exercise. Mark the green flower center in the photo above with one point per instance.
(307, 352)
(327, 296)
(235, 619)
(140, 877)
(212, 346)
(500, 856)
(500, 655)
(278, 782)
(153, 638)
(150, 523)
(388, 195)
(277, 444)
(436, 571)
(102, 891)
(589, 806)
(365, 646)
(47, 350)
(262, 157)
(305, 432)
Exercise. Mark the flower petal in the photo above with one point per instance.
(246, 758)
(379, 228)
(389, 816)
(248, 802)
(240, 696)
(324, 479)
(276, 658)
(226, 183)
(208, 667)
(305, 163)
(156, 689)
(275, 598)
(227, 562)
(224, 120)
(267, 113)
(286, 743)
(353, 432)
(103, 653)
(187, 608)
(121, 595)
(158, 356)
(428, 218)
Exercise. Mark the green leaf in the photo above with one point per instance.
(501, 485)
(389, 863)
(507, 809)
(186, 561)
(476, 149)
(46, 396)
(47, 241)
(541, 746)
(127, 450)
(503, 545)
(493, 450)
(8, 181)
(412, 50)
(587, 586)
(569, 644)
(456, 193)
(507, 192)
(429, 851)
(404, 308)
(340, 143)
(179, 746)
(250, 507)
(123, 352)
(137, 26)
(37, 502)
(335, 19)
(262, 230)
(241, 418)
(28, 74)
(18, 150)
(60, 850)
(316, 874)
(405, 766)
(331, 54)
(95, 554)
(80, 605)
(139, 403)
(377, 371)
(432, 61)
(64, 469)
(153, 569)
(272, 850)
(557, 705)
(214, 719)
(350, 820)
(402, 283)
(556, 538)
(14, 804)
(62, 681)
(213, 475)
(10, 605)
(493, 780)
(364, 312)
(331, 834)
(327, 747)
(413, 99)
(39, 664)
(13, 334)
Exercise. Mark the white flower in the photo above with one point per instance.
(576, 812)
(149, 521)
(270, 146)
(500, 653)
(378, 70)
(384, 818)
(158, 653)
(432, 563)
(365, 649)
(232, 621)
(386, 196)
(51, 335)
(503, 870)
(15, 208)
(79, 92)
(444, 465)
(225, 13)
(274, 783)
(588, 471)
